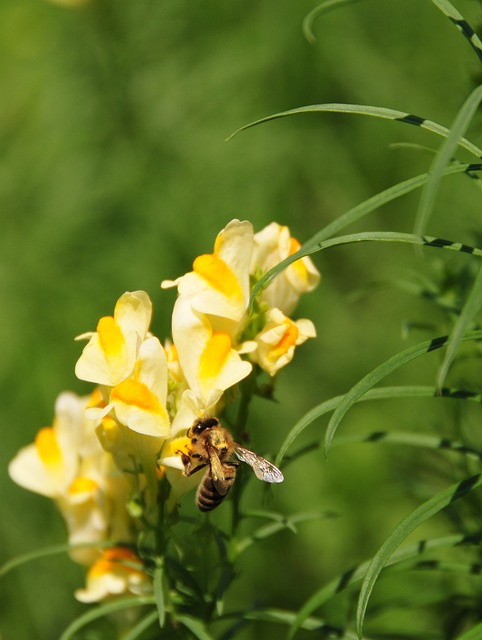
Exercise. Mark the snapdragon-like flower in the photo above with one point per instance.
(67, 464)
(105, 459)
(218, 285)
(116, 573)
(272, 245)
(139, 402)
(131, 365)
(111, 353)
(207, 357)
(49, 465)
(277, 341)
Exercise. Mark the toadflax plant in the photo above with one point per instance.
(114, 462)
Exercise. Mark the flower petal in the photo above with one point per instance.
(137, 407)
(219, 282)
(111, 352)
(207, 358)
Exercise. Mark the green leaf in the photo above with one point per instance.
(373, 394)
(380, 372)
(104, 610)
(275, 527)
(394, 236)
(53, 550)
(468, 313)
(227, 571)
(410, 439)
(143, 624)
(409, 524)
(366, 110)
(459, 21)
(197, 627)
(325, 7)
(281, 616)
(443, 158)
(475, 633)
(469, 568)
(159, 591)
(356, 573)
(352, 215)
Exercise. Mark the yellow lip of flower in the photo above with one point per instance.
(207, 358)
(136, 393)
(218, 285)
(172, 447)
(109, 356)
(48, 447)
(95, 399)
(83, 485)
(214, 356)
(114, 560)
(139, 409)
(218, 276)
(111, 340)
(287, 341)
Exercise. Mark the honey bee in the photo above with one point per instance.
(212, 446)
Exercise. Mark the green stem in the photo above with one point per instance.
(247, 389)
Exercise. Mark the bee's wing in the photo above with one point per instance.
(263, 469)
(217, 472)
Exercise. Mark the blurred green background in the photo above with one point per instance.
(115, 174)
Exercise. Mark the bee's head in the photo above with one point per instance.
(201, 424)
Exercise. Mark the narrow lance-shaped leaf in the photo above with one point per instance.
(366, 110)
(468, 313)
(374, 394)
(397, 437)
(461, 23)
(144, 623)
(272, 528)
(38, 554)
(409, 524)
(354, 214)
(412, 439)
(324, 7)
(475, 633)
(443, 158)
(393, 236)
(102, 611)
(380, 372)
(286, 617)
(195, 626)
(355, 574)
(283, 616)
(159, 591)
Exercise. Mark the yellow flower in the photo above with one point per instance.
(277, 341)
(208, 358)
(111, 353)
(218, 285)
(271, 245)
(49, 465)
(139, 401)
(118, 572)
(67, 463)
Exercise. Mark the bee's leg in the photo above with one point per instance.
(185, 459)
(189, 471)
(232, 464)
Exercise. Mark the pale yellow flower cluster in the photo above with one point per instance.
(131, 431)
